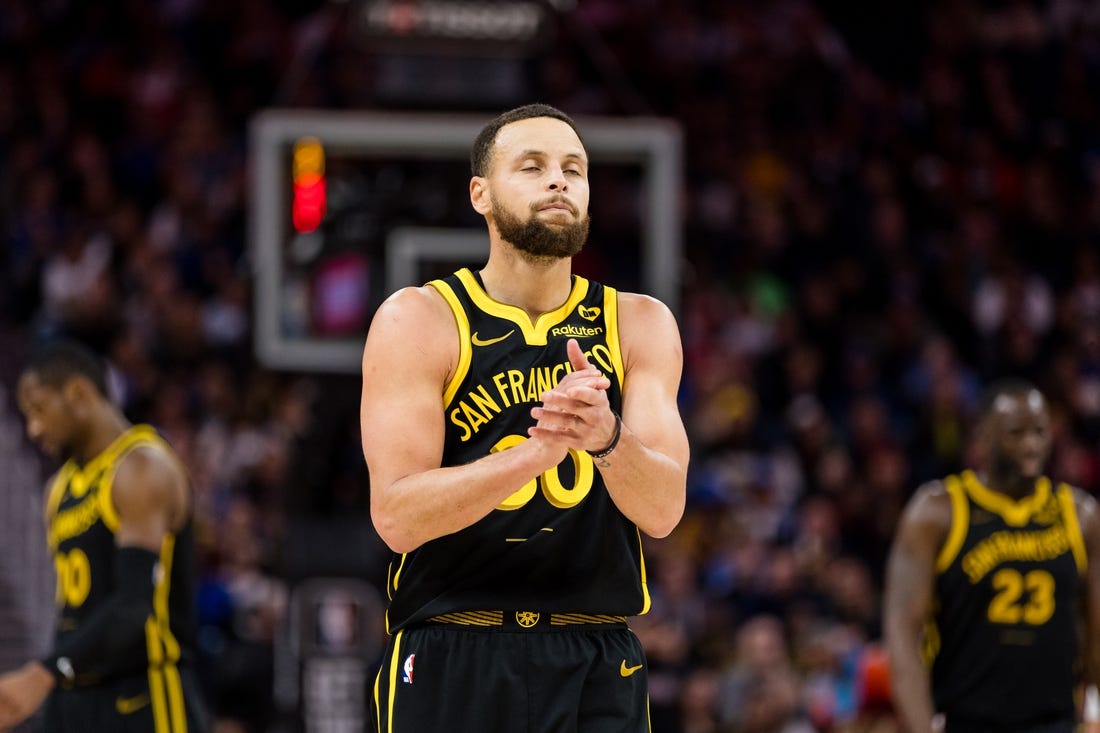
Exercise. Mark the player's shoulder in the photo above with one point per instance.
(419, 306)
(148, 462)
(1086, 506)
(644, 315)
(419, 314)
(930, 505)
(1080, 496)
(149, 478)
(413, 298)
(641, 303)
(413, 328)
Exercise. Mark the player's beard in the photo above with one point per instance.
(540, 240)
(1016, 471)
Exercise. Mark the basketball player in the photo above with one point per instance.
(995, 576)
(118, 516)
(521, 429)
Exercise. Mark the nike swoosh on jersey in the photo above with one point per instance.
(128, 705)
(487, 342)
(626, 671)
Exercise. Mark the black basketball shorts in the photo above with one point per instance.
(168, 701)
(508, 679)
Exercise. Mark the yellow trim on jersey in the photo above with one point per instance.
(1016, 513)
(580, 619)
(79, 479)
(100, 472)
(470, 618)
(160, 705)
(611, 320)
(153, 649)
(53, 499)
(646, 601)
(165, 685)
(107, 511)
(1073, 528)
(175, 698)
(130, 437)
(960, 523)
(496, 618)
(395, 662)
(464, 348)
(400, 567)
(391, 587)
(157, 694)
(534, 333)
(160, 598)
(79, 482)
(377, 704)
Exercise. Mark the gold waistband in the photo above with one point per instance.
(523, 618)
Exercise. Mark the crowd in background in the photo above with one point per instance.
(881, 215)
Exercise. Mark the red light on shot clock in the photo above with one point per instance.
(310, 197)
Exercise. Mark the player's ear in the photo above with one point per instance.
(480, 198)
(78, 389)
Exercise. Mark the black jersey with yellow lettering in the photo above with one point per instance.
(1005, 638)
(559, 544)
(82, 522)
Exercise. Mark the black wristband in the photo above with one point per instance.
(614, 439)
(113, 635)
(60, 667)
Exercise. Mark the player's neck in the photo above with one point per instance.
(1012, 484)
(104, 426)
(536, 287)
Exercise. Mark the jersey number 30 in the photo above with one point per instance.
(552, 487)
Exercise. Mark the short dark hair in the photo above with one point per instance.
(59, 361)
(1012, 386)
(481, 155)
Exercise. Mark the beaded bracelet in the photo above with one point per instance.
(614, 439)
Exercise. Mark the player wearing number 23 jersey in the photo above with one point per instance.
(1008, 586)
(990, 574)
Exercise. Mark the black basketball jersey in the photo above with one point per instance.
(559, 544)
(1006, 606)
(81, 532)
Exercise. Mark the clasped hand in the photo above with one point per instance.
(576, 414)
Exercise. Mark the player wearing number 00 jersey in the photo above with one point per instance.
(118, 520)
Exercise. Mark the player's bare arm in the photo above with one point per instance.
(1088, 514)
(22, 692)
(910, 577)
(150, 498)
(410, 354)
(646, 473)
